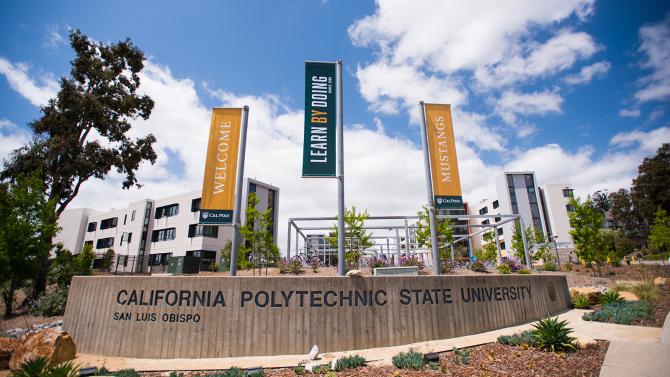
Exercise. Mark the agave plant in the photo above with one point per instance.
(550, 334)
(40, 367)
(610, 297)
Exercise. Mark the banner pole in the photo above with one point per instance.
(340, 170)
(429, 190)
(238, 192)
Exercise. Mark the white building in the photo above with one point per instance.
(146, 233)
(555, 207)
(487, 207)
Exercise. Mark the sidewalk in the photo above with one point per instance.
(381, 356)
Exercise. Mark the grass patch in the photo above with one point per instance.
(411, 360)
(647, 291)
(622, 313)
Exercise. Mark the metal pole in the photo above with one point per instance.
(429, 191)
(452, 252)
(397, 243)
(558, 259)
(495, 229)
(288, 241)
(238, 192)
(525, 247)
(407, 245)
(339, 119)
(297, 241)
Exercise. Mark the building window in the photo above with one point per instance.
(159, 259)
(92, 226)
(485, 222)
(510, 181)
(567, 193)
(195, 204)
(167, 211)
(529, 180)
(163, 235)
(108, 223)
(497, 219)
(496, 204)
(105, 243)
(126, 237)
(125, 261)
(196, 230)
(483, 211)
(207, 257)
(132, 216)
(125, 218)
(88, 243)
(502, 245)
(570, 207)
(500, 232)
(252, 187)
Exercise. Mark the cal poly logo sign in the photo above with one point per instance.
(216, 217)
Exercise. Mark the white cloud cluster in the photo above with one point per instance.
(383, 173)
(511, 104)
(587, 73)
(38, 93)
(655, 45)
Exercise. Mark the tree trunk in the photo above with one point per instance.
(40, 279)
(8, 297)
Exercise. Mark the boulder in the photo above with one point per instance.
(628, 296)
(586, 343)
(355, 273)
(314, 353)
(7, 347)
(55, 346)
(659, 281)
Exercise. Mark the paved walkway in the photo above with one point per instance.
(381, 356)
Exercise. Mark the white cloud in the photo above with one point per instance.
(655, 44)
(11, 137)
(38, 93)
(53, 38)
(535, 103)
(629, 113)
(587, 73)
(647, 142)
(557, 54)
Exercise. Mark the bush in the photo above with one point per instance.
(580, 301)
(411, 360)
(647, 291)
(377, 262)
(524, 337)
(478, 266)
(213, 267)
(461, 356)
(314, 263)
(291, 266)
(552, 335)
(412, 260)
(610, 297)
(349, 362)
(321, 369)
(299, 370)
(513, 263)
(523, 271)
(39, 367)
(83, 262)
(550, 265)
(175, 374)
(622, 312)
(50, 303)
(234, 372)
(258, 373)
(504, 269)
(447, 266)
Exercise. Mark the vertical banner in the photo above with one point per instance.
(218, 186)
(318, 157)
(443, 161)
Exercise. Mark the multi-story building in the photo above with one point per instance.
(488, 207)
(146, 233)
(555, 200)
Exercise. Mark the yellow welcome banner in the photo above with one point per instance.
(443, 160)
(218, 186)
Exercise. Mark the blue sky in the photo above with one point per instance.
(576, 90)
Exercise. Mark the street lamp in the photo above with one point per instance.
(558, 260)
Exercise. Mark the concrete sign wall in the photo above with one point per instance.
(204, 317)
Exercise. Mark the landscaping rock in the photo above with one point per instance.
(55, 346)
(586, 343)
(355, 273)
(314, 353)
(659, 281)
(7, 347)
(628, 296)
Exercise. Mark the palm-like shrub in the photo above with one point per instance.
(580, 301)
(550, 334)
(610, 297)
(39, 367)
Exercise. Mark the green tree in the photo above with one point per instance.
(586, 223)
(356, 239)
(258, 239)
(445, 233)
(651, 188)
(517, 241)
(601, 201)
(626, 216)
(27, 221)
(225, 252)
(108, 259)
(83, 262)
(83, 132)
(659, 237)
(488, 252)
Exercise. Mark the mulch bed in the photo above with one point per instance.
(487, 360)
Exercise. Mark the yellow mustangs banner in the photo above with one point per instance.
(218, 186)
(443, 161)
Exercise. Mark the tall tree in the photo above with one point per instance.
(258, 240)
(82, 133)
(488, 252)
(517, 241)
(445, 233)
(659, 237)
(651, 188)
(27, 221)
(356, 239)
(601, 201)
(586, 223)
(626, 215)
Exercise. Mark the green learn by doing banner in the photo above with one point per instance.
(318, 158)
